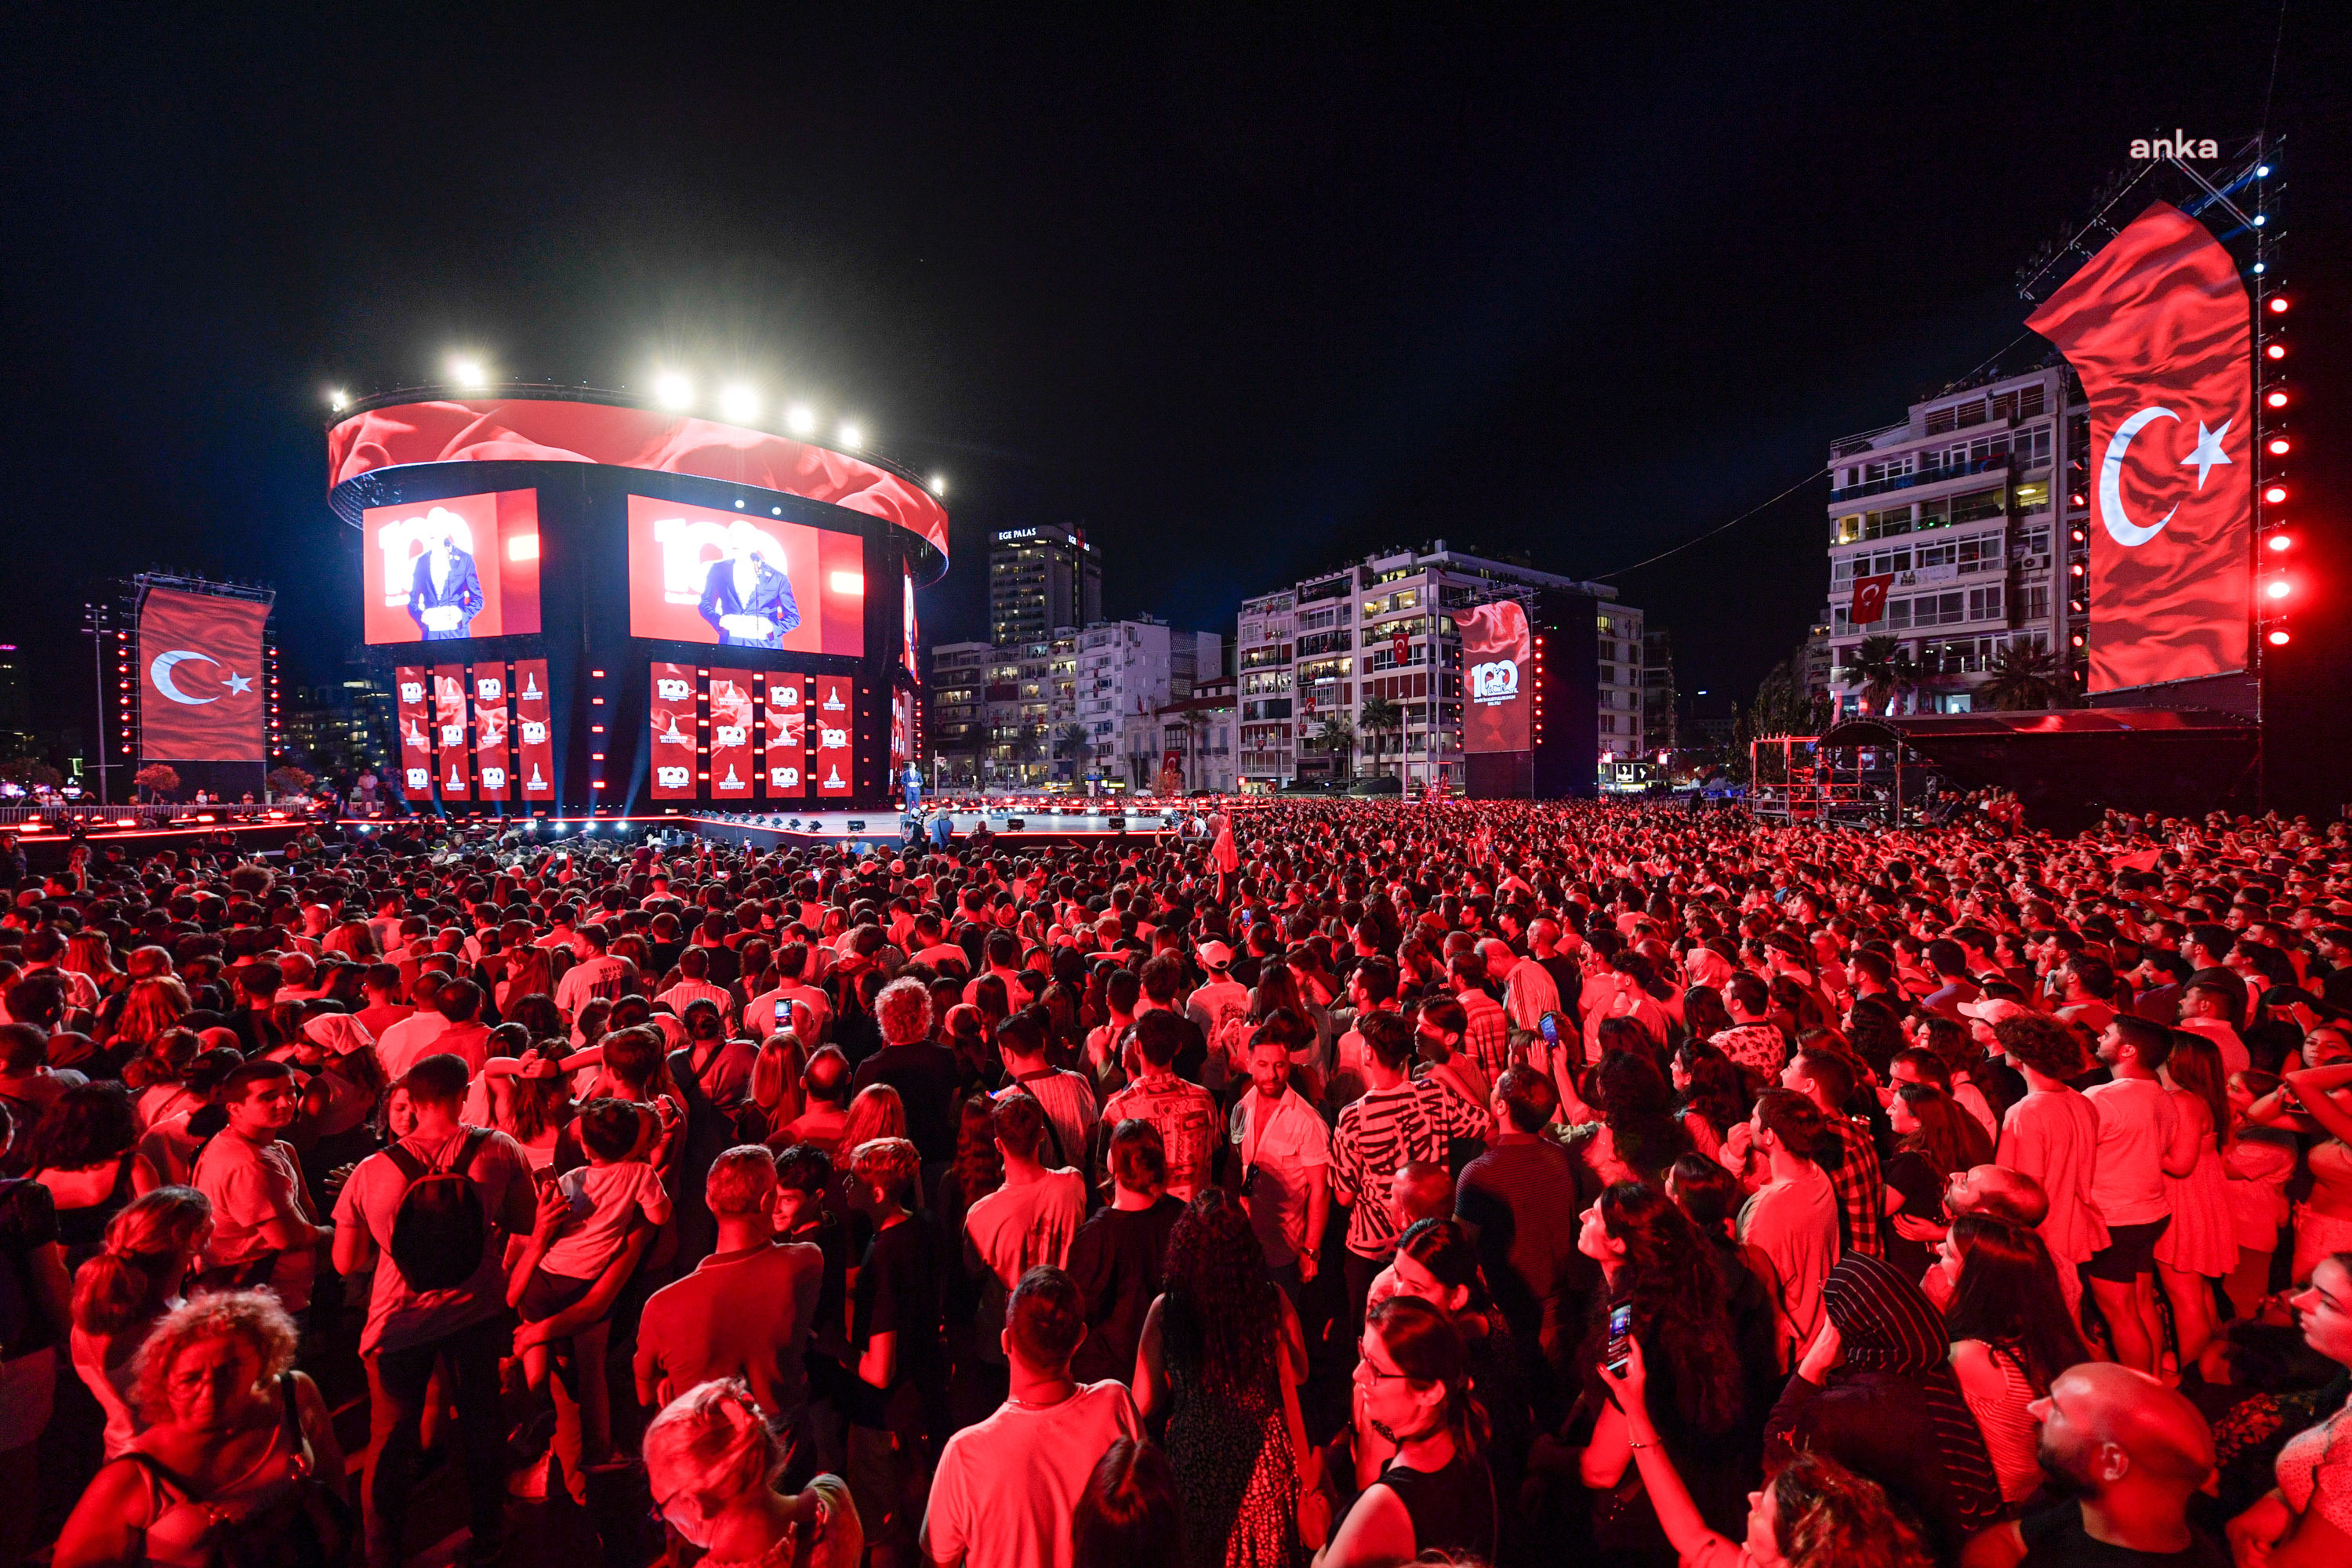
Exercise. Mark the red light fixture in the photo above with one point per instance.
(2281, 542)
(2275, 351)
(2279, 640)
(2276, 399)
(2278, 304)
(2278, 590)
(2278, 446)
(2274, 494)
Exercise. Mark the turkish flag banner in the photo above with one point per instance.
(201, 688)
(490, 730)
(731, 734)
(416, 731)
(1870, 598)
(670, 719)
(1398, 647)
(787, 749)
(2156, 325)
(534, 734)
(830, 723)
(452, 759)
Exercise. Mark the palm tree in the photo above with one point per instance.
(1336, 735)
(1883, 670)
(1072, 744)
(1377, 718)
(2025, 675)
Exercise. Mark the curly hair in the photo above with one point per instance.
(88, 1125)
(253, 1316)
(1678, 1294)
(1222, 1315)
(1717, 1090)
(2044, 1044)
(1832, 1517)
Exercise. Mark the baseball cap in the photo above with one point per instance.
(1215, 955)
(1994, 1009)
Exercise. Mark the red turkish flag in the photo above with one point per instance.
(2156, 325)
(1870, 598)
(201, 697)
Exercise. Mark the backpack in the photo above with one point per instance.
(440, 1228)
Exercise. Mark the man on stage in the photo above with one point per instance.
(747, 601)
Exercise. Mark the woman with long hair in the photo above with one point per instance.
(1437, 1260)
(153, 1249)
(2011, 1336)
(1436, 1494)
(773, 1101)
(1222, 1355)
(1710, 1097)
(1703, 1014)
(150, 1009)
(1934, 1141)
(2302, 1521)
(1654, 1260)
(85, 1151)
(2259, 1162)
(1638, 1136)
(2201, 1245)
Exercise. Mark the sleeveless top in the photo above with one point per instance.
(1452, 1510)
(2012, 1439)
(178, 1532)
(84, 1227)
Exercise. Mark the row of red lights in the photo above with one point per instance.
(2277, 541)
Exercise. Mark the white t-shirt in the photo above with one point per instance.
(1014, 1229)
(252, 1185)
(1006, 1489)
(2136, 1122)
(1281, 1145)
(603, 1197)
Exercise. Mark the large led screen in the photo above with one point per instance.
(701, 575)
(1496, 648)
(442, 571)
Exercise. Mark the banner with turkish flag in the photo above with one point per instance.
(534, 736)
(829, 723)
(1870, 598)
(787, 749)
(416, 733)
(201, 689)
(453, 759)
(731, 734)
(2156, 326)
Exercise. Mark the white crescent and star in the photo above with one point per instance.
(2112, 516)
(159, 673)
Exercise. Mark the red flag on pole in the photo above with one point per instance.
(1870, 598)
(2156, 325)
(200, 686)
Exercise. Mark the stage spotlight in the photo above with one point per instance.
(2278, 304)
(2276, 351)
(938, 484)
(2274, 494)
(2282, 542)
(336, 401)
(851, 436)
(468, 372)
(2261, 170)
(672, 390)
(801, 419)
(2279, 448)
(2275, 399)
(2258, 270)
(2260, 219)
(2280, 639)
(740, 403)
(2278, 590)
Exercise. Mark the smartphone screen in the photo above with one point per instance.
(783, 1014)
(1621, 1328)
(1549, 1026)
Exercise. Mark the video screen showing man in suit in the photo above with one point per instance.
(445, 593)
(748, 601)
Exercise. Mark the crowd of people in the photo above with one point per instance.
(1356, 1185)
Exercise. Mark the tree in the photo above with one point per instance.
(1073, 743)
(159, 780)
(1028, 746)
(1378, 717)
(289, 779)
(1884, 673)
(1337, 736)
(34, 773)
(2025, 677)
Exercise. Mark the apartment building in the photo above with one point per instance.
(1040, 580)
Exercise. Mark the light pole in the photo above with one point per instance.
(94, 622)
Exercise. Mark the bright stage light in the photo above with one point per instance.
(938, 484)
(337, 401)
(2276, 399)
(801, 419)
(2275, 494)
(2282, 542)
(851, 436)
(672, 390)
(2278, 590)
(2278, 304)
(2279, 448)
(2280, 639)
(739, 403)
(468, 372)
(2260, 219)
(2276, 351)
(2261, 170)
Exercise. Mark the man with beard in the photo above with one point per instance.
(2132, 1452)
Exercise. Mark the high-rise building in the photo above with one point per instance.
(1039, 580)
(1658, 698)
(1314, 652)
(1129, 670)
(958, 730)
(1973, 511)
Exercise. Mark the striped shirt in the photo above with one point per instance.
(1381, 1131)
(1486, 1033)
(685, 991)
(1068, 1101)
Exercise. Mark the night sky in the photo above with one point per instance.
(1241, 296)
